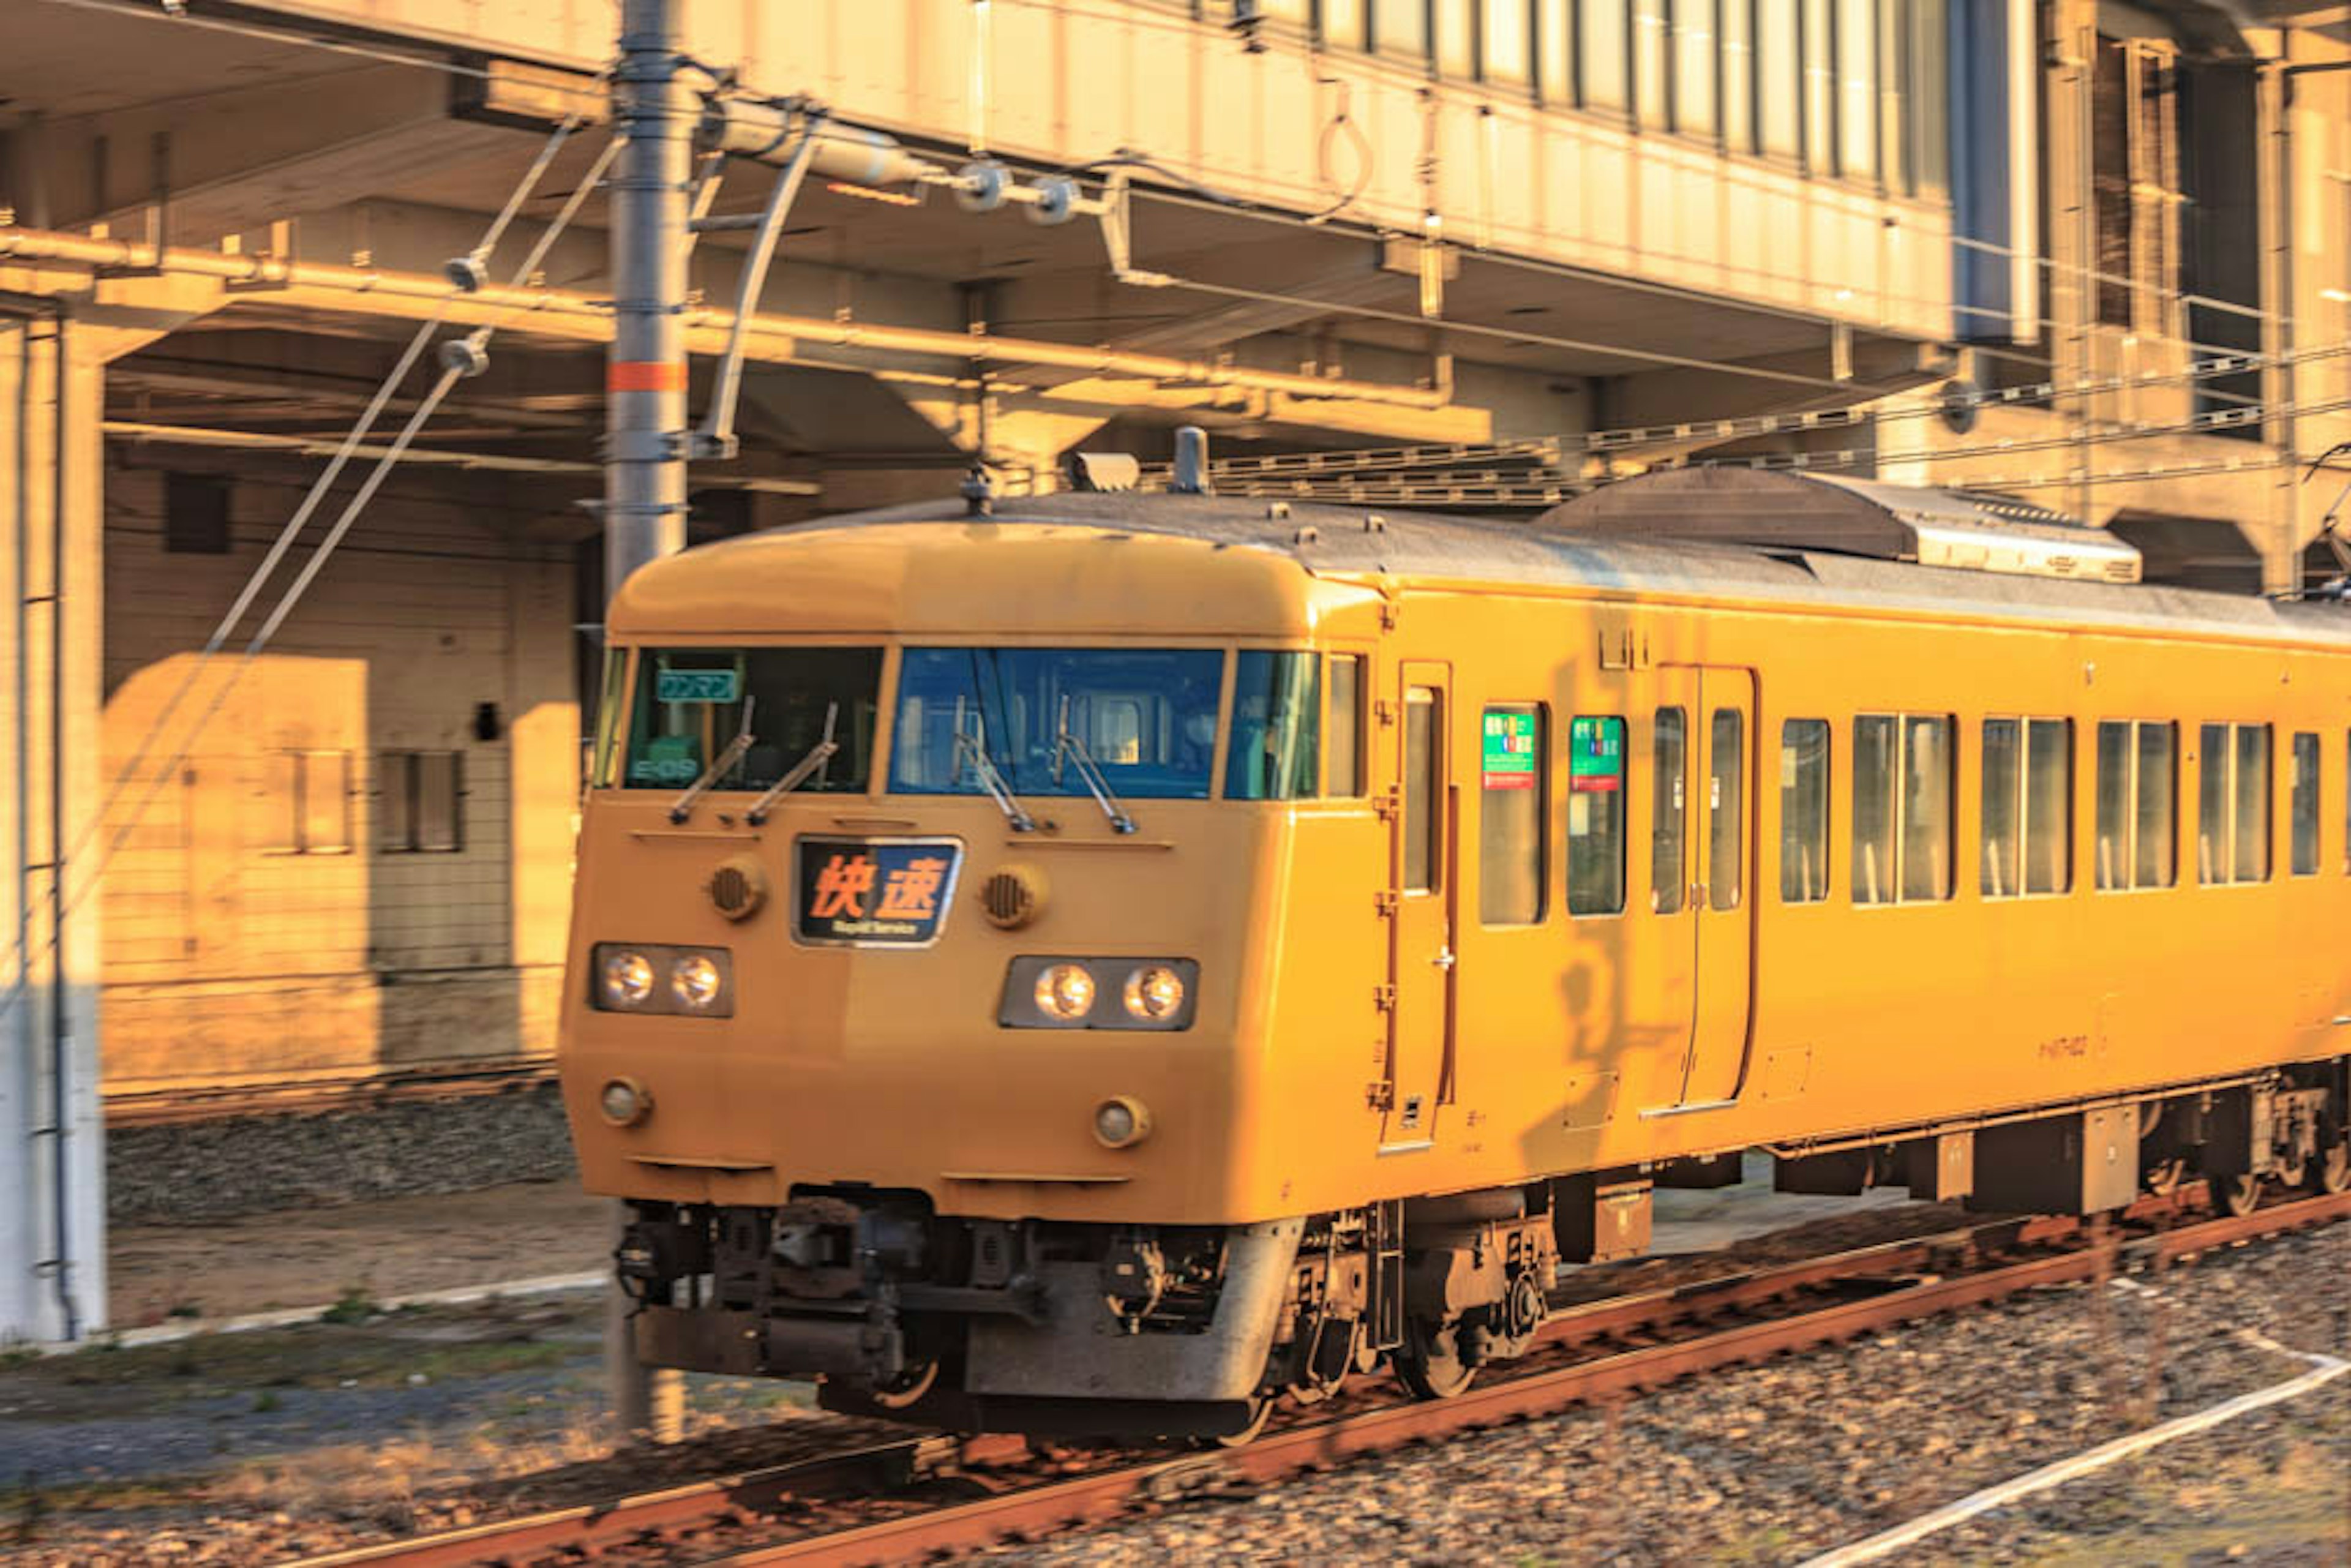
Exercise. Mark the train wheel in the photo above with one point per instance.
(2334, 1172)
(2239, 1195)
(2163, 1179)
(1429, 1361)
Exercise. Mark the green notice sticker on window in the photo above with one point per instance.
(698, 685)
(1595, 754)
(1510, 750)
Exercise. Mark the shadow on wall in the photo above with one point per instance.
(321, 891)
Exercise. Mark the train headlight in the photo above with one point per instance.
(624, 1102)
(1065, 991)
(1152, 993)
(648, 978)
(1056, 992)
(696, 982)
(1122, 1122)
(625, 978)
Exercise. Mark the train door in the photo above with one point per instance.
(1420, 931)
(1722, 894)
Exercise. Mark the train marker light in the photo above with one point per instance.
(1065, 991)
(624, 1102)
(1121, 1123)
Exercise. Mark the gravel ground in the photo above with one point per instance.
(246, 1164)
(1777, 1463)
(392, 1246)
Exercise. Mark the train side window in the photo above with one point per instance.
(1927, 758)
(1344, 772)
(2232, 804)
(2306, 804)
(2001, 871)
(1875, 755)
(2049, 805)
(2027, 793)
(1275, 753)
(2138, 778)
(1669, 760)
(1513, 802)
(1424, 739)
(1595, 816)
(1803, 810)
(1725, 807)
(2253, 797)
(1902, 826)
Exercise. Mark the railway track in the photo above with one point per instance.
(904, 1500)
(308, 1096)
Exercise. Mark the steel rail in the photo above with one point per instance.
(1897, 1276)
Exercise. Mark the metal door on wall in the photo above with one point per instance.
(1422, 881)
(1714, 908)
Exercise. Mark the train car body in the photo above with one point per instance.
(1154, 952)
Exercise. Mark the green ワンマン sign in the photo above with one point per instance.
(1595, 754)
(698, 685)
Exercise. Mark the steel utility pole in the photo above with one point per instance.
(645, 435)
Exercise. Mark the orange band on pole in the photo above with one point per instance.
(645, 375)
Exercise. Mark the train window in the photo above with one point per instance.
(1343, 770)
(2049, 805)
(2254, 796)
(2028, 776)
(1424, 764)
(1343, 24)
(2138, 770)
(2306, 804)
(1902, 832)
(1603, 53)
(1727, 807)
(1926, 808)
(1669, 758)
(308, 793)
(1505, 53)
(1456, 48)
(1513, 802)
(2001, 871)
(2232, 804)
(1277, 700)
(1146, 716)
(605, 763)
(1874, 756)
(1401, 28)
(1803, 810)
(1595, 816)
(695, 704)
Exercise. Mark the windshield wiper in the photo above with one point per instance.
(1067, 744)
(722, 765)
(973, 744)
(819, 755)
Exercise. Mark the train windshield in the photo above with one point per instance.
(758, 712)
(1146, 717)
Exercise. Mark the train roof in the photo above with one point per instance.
(1357, 542)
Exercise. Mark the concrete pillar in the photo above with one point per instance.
(52, 1154)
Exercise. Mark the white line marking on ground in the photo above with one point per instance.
(2323, 1369)
(289, 1317)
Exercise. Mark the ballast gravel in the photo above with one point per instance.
(1775, 1464)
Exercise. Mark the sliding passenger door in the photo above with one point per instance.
(1423, 882)
(1722, 893)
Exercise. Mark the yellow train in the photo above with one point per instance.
(1100, 966)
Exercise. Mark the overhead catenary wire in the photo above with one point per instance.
(459, 365)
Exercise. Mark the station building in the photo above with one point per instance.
(2094, 254)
